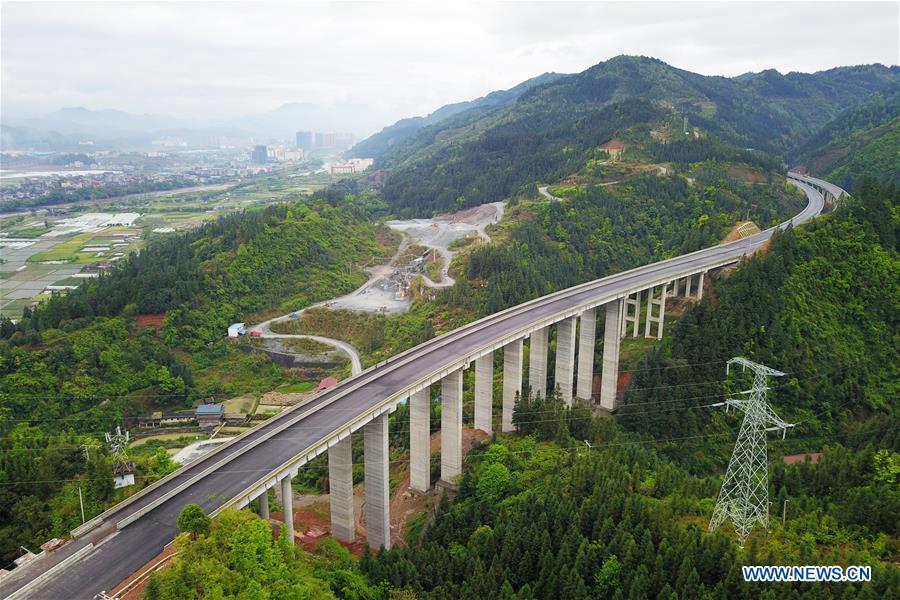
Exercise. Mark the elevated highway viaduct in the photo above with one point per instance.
(114, 545)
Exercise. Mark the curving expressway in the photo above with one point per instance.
(119, 542)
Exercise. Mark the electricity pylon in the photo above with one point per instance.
(123, 469)
(744, 497)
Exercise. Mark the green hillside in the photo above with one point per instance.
(378, 144)
(822, 305)
(862, 141)
(554, 128)
(580, 506)
(78, 364)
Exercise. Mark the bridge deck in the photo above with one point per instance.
(314, 424)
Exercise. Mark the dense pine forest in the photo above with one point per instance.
(548, 516)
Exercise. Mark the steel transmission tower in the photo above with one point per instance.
(744, 497)
(123, 469)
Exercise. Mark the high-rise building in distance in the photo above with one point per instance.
(305, 140)
(260, 155)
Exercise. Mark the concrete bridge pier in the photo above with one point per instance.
(565, 358)
(612, 337)
(484, 392)
(287, 506)
(512, 382)
(586, 340)
(537, 361)
(660, 314)
(340, 490)
(451, 426)
(420, 440)
(378, 516)
(632, 314)
(264, 505)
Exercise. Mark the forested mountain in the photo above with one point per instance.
(599, 230)
(862, 141)
(555, 127)
(377, 144)
(545, 515)
(77, 364)
(822, 305)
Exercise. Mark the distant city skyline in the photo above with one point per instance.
(373, 63)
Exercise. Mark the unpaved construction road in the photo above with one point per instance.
(376, 294)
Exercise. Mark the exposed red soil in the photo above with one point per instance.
(312, 519)
(151, 321)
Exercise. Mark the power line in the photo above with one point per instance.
(597, 446)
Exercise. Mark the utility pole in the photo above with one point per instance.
(744, 497)
(81, 502)
(87, 449)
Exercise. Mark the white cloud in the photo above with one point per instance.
(399, 59)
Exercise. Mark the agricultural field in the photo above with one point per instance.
(52, 251)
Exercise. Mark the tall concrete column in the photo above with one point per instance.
(565, 358)
(378, 499)
(484, 392)
(512, 382)
(658, 315)
(687, 286)
(700, 286)
(264, 505)
(537, 361)
(611, 340)
(586, 340)
(451, 425)
(340, 489)
(632, 314)
(420, 440)
(287, 506)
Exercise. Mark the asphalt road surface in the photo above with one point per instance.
(118, 555)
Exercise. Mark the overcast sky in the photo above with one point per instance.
(397, 59)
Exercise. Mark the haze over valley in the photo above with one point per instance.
(500, 300)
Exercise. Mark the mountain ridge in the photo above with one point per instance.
(447, 165)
